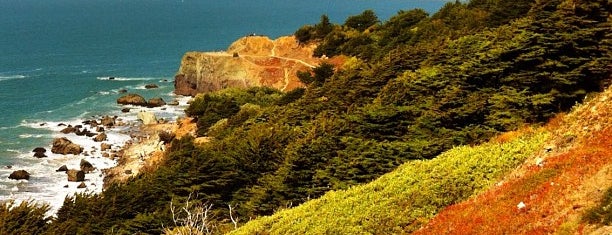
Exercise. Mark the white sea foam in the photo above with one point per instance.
(112, 78)
(11, 77)
(48, 186)
(25, 136)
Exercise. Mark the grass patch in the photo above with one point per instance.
(406, 198)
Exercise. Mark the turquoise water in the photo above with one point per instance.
(55, 57)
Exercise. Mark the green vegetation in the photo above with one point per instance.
(401, 201)
(23, 218)
(415, 87)
(602, 213)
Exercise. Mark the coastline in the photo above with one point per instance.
(145, 150)
(126, 139)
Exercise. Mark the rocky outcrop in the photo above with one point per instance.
(39, 152)
(147, 118)
(19, 175)
(156, 102)
(100, 137)
(75, 175)
(65, 146)
(250, 61)
(151, 86)
(133, 99)
(105, 146)
(86, 166)
(109, 121)
(62, 168)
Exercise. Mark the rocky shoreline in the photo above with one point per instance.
(92, 153)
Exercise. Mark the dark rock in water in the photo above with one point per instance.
(68, 130)
(86, 166)
(40, 154)
(123, 91)
(99, 129)
(90, 134)
(133, 99)
(128, 172)
(43, 124)
(151, 86)
(82, 185)
(19, 175)
(75, 175)
(39, 150)
(8, 167)
(65, 186)
(100, 137)
(81, 132)
(92, 123)
(78, 126)
(61, 124)
(125, 110)
(108, 121)
(111, 78)
(105, 146)
(174, 103)
(156, 102)
(65, 146)
(165, 80)
(62, 168)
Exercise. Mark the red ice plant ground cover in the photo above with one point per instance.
(555, 194)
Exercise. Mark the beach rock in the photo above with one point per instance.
(62, 168)
(174, 103)
(111, 78)
(156, 102)
(151, 86)
(65, 146)
(82, 185)
(100, 137)
(133, 99)
(39, 155)
(86, 166)
(19, 175)
(69, 129)
(39, 150)
(92, 123)
(99, 129)
(128, 172)
(108, 121)
(147, 117)
(122, 91)
(125, 110)
(8, 167)
(83, 132)
(75, 175)
(61, 124)
(105, 146)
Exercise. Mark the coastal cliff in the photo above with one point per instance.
(250, 61)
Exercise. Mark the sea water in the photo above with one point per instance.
(56, 58)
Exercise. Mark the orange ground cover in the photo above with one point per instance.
(553, 194)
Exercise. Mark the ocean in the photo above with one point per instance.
(56, 57)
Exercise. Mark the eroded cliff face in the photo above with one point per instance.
(250, 61)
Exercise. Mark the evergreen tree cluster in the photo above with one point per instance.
(415, 86)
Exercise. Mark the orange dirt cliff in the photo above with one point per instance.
(250, 61)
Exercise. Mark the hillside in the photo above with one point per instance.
(379, 141)
(558, 171)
